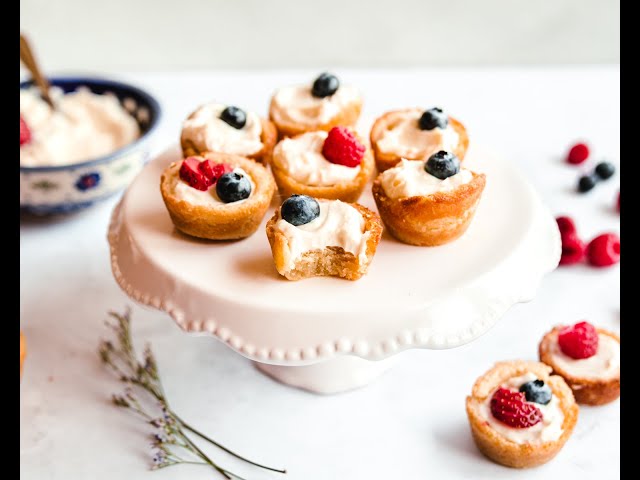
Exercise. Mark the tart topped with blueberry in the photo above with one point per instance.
(429, 202)
(321, 105)
(416, 134)
(588, 358)
(215, 127)
(335, 165)
(520, 415)
(315, 237)
(217, 196)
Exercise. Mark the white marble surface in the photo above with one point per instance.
(408, 424)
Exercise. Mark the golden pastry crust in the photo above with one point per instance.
(386, 160)
(268, 137)
(495, 446)
(588, 391)
(226, 221)
(347, 117)
(347, 191)
(23, 351)
(433, 219)
(332, 261)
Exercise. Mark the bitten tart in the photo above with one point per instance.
(315, 237)
(588, 358)
(320, 106)
(214, 127)
(217, 196)
(334, 165)
(414, 134)
(428, 203)
(520, 415)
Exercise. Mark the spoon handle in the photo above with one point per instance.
(26, 55)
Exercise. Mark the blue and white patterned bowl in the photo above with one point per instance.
(66, 188)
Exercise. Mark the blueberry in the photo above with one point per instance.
(233, 187)
(234, 116)
(433, 118)
(586, 183)
(300, 209)
(442, 165)
(605, 170)
(325, 85)
(536, 391)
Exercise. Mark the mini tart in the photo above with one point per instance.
(23, 351)
(587, 391)
(226, 221)
(331, 261)
(433, 219)
(500, 449)
(386, 160)
(347, 191)
(268, 137)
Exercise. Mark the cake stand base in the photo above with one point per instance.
(337, 375)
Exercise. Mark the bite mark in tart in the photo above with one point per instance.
(414, 134)
(217, 196)
(214, 127)
(310, 237)
(334, 165)
(588, 358)
(428, 203)
(520, 415)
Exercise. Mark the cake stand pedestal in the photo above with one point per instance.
(328, 335)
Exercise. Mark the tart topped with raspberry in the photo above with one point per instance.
(322, 105)
(335, 165)
(416, 134)
(217, 196)
(520, 415)
(588, 358)
(214, 127)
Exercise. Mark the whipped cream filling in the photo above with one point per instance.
(406, 139)
(83, 127)
(338, 225)
(548, 430)
(604, 364)
(409, 179)
(208, 133)
(301, 157)
(296, 104)
(183, 191)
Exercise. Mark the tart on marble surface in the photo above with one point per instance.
(428, 203)
(214, 127)
(588, 358)
(23, 351)
(321, 105)
(334, 165)
(315, 237)
(520, 415)
(217, 196)
(414, 134)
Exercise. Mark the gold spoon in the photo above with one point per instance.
(26, 55)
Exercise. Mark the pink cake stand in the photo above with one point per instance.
(328, 335)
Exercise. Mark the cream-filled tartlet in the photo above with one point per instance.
(320, 106)
(520, 415)
(316, 237)
(215, 127)
(334, 165)
(84, 126)
(217, 196)
(588, 358)
(428, 203)
(416, 134)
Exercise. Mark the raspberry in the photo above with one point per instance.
(512, 409)
(566, 225)
(573, 249)
(213, 171)
(343, 148)
(578, 154)
(579, 340)
(25, 133)
(190, 173)
(604, 250)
